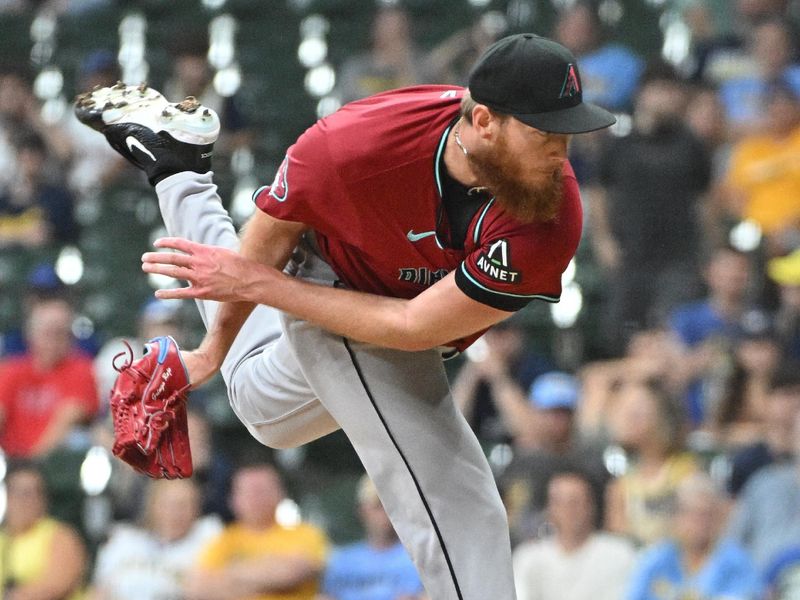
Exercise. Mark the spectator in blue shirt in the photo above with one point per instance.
(695, 563)
(377, 568)
(705, 328)
(766, 518)
(773, 57)
(727, 279)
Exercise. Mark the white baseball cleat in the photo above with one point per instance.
(159, 137)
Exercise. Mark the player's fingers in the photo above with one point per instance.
(176, 243)
(173, 271)
(177, 293)
(167, 258)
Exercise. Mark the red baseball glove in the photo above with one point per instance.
(148, 406)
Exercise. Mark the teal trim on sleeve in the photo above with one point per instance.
(257, 192)
(544, 297)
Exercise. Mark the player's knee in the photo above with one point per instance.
(291, 433)
(287, 431)
(277, 437)
(273, 434)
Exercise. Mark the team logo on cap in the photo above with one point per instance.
(571, 84)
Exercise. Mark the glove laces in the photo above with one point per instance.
(128, 364)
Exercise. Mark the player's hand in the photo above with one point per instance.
(213, 273)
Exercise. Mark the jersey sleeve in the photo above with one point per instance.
(515, 263)
(306, 187)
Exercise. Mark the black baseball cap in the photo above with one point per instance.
(535, 80)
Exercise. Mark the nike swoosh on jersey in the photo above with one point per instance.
(415, 237)
(131, 142)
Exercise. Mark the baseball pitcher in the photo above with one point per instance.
(395, 231)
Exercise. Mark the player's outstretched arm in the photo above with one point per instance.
(266, 241)
(439, 315)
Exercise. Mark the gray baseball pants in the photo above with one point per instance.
(291, 382)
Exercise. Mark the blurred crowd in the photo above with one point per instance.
(658, 460)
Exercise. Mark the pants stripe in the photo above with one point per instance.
(408, 466)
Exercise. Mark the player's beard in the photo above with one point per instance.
(508, 180)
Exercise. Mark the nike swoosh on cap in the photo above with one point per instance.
(415, 237)
(131, 142)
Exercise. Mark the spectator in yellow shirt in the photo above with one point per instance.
(40, 558)
(649, 425)
(256, 558)
(764, 177)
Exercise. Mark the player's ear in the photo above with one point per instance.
(484, 121)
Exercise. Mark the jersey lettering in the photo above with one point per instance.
(422, 275)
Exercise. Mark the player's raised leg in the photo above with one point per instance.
(164, 140)
(173, 144)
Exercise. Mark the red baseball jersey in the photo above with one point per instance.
(30, 398)
(368, 180)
